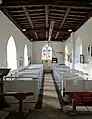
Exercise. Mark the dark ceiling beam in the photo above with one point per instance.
(29, 19)
(83, 7)
(19, 15)
(88, 16)
(62, 11)
(75, 16)
(59, 39)
(42, 25)
(77, 19)
(73, 2)
(36, 10)
(21, 18)
(7, 13)
(38, 17)
(57, 14)
(37, 14)
(36, 20)
(46, 30)
(42, 2)
(57, 10)
(39, 23)
(24, 21)
(78, 12)
(56, 20)
(20, 11)
(17, 11)
(61, 14)
(65, 16)
(72, 21)
(46, 19)
(54, 17)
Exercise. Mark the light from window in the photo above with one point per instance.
(11, 54)
(25, 56)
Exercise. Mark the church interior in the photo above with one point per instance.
(45, 59)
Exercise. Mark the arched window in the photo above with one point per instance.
(11, 54)
(78, 50)
(25, 56)
(66, 53)
(44, 52)
(47, 53)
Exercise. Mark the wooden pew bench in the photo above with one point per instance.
(19, 96)
(79, 99)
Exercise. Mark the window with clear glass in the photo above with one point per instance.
(11, 54)
(25, 56)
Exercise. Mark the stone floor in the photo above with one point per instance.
(50, 98)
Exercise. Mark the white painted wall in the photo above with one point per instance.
(37, 50)
(82, 36)
(8, 29)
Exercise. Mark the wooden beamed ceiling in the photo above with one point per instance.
(35, 16)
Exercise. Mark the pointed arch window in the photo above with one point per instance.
(25, 56)
(66, 54)
(11, 54)
(47, 53)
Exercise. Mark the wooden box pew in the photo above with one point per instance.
(80, 73)
(60, 75)
(36, 66)
(69, 79)
(68, 74)
(27, 72)
(56, 76)
(76, 73)
(79, 93)
(63, 69)
(23, 68)
(21, 85)
(34, 73)
(57, 73)
(62, 66)
(15, 73)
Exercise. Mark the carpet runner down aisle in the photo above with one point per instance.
(50, 98)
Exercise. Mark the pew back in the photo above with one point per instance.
(21, 85)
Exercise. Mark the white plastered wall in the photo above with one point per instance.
(37, 50)
(82, 36)
(8, 29)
